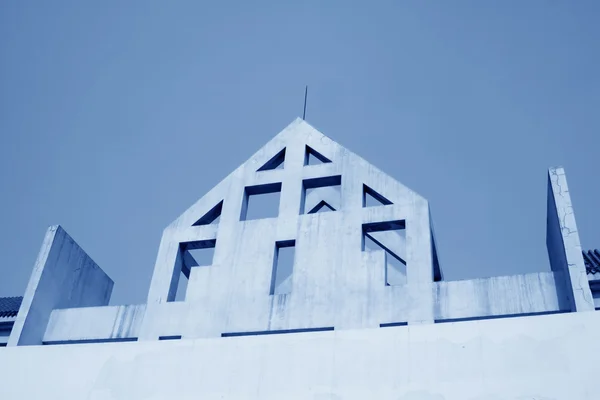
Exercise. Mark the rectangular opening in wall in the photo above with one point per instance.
(280, 332)
(181, 287)
(261, 201)
(389, 237)
(392, 324)
(437, 272)
(283, 267)
(89, 341)
(321, 195)
(199, 253)
(172, 337)
(466, 319)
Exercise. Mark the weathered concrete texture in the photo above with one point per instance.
(501, 295)
(95, 323)
(552, 357)
(542, 292)
(332, 283)
(63, 276)
(562, 241)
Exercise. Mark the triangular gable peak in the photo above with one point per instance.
(302, 136)
(318, 212)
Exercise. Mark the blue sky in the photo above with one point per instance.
(116, 116)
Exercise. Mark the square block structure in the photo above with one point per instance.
(359, 311)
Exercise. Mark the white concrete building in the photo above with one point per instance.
(335, 293)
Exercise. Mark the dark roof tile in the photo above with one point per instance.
(592, 261)
(9, 306)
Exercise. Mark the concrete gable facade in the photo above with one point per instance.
(360, 312)
(334, 282)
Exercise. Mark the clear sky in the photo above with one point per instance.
(117, 116)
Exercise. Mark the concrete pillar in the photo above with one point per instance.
(562, 242)
(420, 265)
(64, 276)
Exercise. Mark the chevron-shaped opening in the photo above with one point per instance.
(211, 217)
(371, 198)
(322, 206)
(276, 162)
(391, 238)
(321, 194)
(313, 157)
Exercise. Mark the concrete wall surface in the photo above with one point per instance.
(94, 323)
(333, 281)
(550, 357)
(478, 298)
(512, 294)
(63, 276)
(562, 241)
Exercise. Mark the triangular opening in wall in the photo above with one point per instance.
(322, 206)
(371, 198)
(313, 157)
(274, 163)
(211, 217)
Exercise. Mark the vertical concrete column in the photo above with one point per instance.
(291, 190)
(419, 264)
(64, 276)
(165, 278)
(562, 242)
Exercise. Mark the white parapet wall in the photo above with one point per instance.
(541, 292)
(501, 296)
(542, 357)
(94, 324)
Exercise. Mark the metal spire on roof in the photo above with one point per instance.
(305, 96)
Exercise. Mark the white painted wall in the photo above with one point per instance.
(552, 357)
